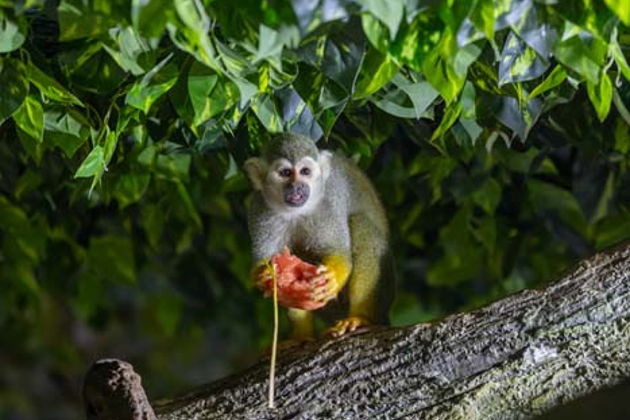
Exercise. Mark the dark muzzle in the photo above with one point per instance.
(295, 195)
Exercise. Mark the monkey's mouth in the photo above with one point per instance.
(295, 195)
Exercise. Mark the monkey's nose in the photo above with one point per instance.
(296, 194)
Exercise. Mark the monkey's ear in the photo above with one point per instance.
(324, 160)
(256, 169)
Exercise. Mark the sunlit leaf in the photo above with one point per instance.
(93, 165)
(583, 54)
(600, 95)
(482, 16)
(556, 77)
(154, 84)
(201, 81)
(50, 87)
(11, 38)
(518, 62)
(133, 53)
(67, 130)
(30, 118)
(376, 71)
(621, 9)
(80, 20)
(390, 12)
(451, 114)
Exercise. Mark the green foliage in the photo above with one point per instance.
(496, 130)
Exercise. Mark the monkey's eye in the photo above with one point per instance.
(305, 171)
(285, 173)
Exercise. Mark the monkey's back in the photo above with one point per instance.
(362, 197)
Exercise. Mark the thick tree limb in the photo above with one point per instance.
(513, 359)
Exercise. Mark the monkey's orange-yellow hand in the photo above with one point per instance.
(300, 284)
(332, 276)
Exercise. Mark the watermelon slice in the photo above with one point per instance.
(294, 281)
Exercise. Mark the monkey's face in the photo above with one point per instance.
(290, 187)
(291, 184)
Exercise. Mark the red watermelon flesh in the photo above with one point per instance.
(294, 281)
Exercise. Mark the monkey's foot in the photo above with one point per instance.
(347, 325)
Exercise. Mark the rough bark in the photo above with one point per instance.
(513, 359)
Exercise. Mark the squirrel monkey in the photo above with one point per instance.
(325, 210)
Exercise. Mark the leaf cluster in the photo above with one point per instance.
(497, 132)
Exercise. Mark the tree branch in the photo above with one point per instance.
(515, 358)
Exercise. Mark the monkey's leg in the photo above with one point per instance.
(369, 246)
(302, 327)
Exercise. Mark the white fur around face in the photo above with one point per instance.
(267, 178)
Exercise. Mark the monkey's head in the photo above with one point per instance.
(290, 174)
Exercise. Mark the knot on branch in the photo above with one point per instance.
(112, 390)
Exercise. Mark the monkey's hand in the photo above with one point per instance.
(324, 286)
(331, 276)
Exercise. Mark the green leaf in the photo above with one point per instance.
(131, 187)
(416, 41)
(111, 258)
(390, 12)
(50, 87)
(270, 43)
(14, 87)
(621, 9)
(78, 19)
(134, 52)
(168, 312)
(450, 116)
(555, 78)
(153, 221)
(201, 81)
(149, 17)
(548, 198)
(188, 204)
(265, 109)
(375, 32)
(406, 99)
(469, 109)
(376, 71)
(154, 84)
(191, 34)
(600, 95)
(488, 196)
(67, 130)
(173, 167)
(619, 58)
(482, 16)
(584, 56)
(518, 62)
(446, 67)
(30, 118)
(10, 36)
(93, 164)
